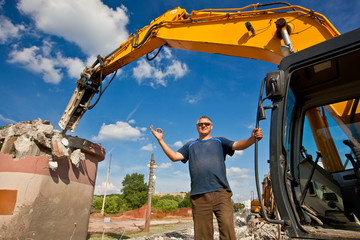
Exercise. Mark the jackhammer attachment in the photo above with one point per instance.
(79, 101)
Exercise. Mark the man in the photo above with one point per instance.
(210, 191)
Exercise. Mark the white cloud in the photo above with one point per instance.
(110, 187)
(90, 24)
(177, 69)
(132, 121)
(7, 120)
(193, 98)
(8, 30)
(235, 172)
(120, 131)
(251, 126)
(148, 147)
(32, 59)
(40, 60)
(178, 144)
(158, 73)
(142, 70)
(73, 66)
(173, 184)
(165, 165)
(133, 111)
(237, 154)
(96, 29)
(181, 174)
(242, 188)
(166, 53)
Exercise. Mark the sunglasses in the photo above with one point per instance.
(203, 123)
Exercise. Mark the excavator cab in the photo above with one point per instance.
(315, 139)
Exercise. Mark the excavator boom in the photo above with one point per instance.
(250, 32)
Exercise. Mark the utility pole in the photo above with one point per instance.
(152, 165)
(107, 178)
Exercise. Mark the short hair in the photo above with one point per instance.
(204, 117)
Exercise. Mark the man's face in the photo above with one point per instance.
(204, 126)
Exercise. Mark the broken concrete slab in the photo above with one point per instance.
(58, 148)
(76, 157)
(35, 138)
(53, 165)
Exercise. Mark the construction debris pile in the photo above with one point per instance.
(37, 138)
(246, 228)
(254, 228)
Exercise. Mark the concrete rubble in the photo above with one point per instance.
(37, 138)
(246, 228)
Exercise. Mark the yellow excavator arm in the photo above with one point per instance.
(264, 34)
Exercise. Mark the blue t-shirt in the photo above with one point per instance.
(207, 164)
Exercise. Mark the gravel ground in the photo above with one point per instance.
(246, 229)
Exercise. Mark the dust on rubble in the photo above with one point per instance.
(38, 138)
(246, 228)
(251, 227)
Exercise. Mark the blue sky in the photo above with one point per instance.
(45, 44)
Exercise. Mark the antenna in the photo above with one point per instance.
(107, 178)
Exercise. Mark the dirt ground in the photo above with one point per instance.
(247, 228)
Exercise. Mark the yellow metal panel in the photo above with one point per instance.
(223, 31)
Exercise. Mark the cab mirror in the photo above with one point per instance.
(275, 85)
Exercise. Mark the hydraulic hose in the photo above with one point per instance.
(256, 162)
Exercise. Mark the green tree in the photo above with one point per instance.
(238, 207)
(122, 203)
(97, 202)
(185, 203)
(154, 201)
(170, 202)
(172, 197)
(134, 190)
(112, 204)
(166, 204)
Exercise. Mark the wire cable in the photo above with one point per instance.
(102, 91)
(152, 58)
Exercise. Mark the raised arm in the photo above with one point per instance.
(243, 144)
(174, 156)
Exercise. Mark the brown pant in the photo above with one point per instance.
(203, 207)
